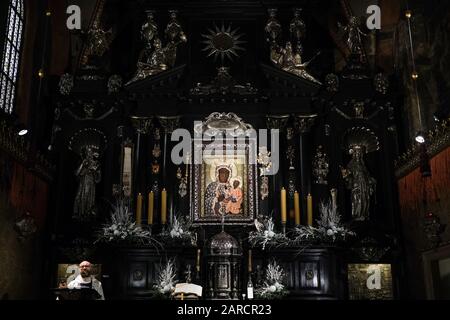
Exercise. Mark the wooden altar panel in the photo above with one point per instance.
(135, 270)
(312, 274)
(138, 274)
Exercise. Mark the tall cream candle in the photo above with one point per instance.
(283, 206)
(310, 209)
(151, 203)
(297, 208)
(164, 206)
(139, 209)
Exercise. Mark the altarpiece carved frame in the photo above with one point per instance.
(244, 149)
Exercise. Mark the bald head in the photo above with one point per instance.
(85, 269)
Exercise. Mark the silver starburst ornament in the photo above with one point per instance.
(223, 42)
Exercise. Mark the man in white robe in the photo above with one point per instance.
(86, 281)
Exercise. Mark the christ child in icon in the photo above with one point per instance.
(235, 198)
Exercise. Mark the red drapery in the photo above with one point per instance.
(29, 193)
(417, 194)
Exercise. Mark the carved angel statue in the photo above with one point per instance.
(297, 28)
(286, 58)
(155, 57)
(361, 184)
(89, 174)
(151, 61)
(98, 42)
(175, 35)
(273, 26)
(354, 33)
(291, 62)
(149, 29)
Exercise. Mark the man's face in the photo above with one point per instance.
(85, 269)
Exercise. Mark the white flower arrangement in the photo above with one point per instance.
(330, 228)
(179, 229)
(303, 234)
(266, 236)
(123, 229)
(166, 279)
(273, 287)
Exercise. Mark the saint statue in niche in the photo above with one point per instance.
(155, 57)
(354, 33)
(361, 184)
(89, 175)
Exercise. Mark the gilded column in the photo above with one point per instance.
(277, 122)
(142, 126)
(169, 124)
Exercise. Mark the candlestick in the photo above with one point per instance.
(310, 210)
(250, 267)
(283, 206)
(297, 208)
(139, 209)
(334, 199)
(151, 200)
(164, 206)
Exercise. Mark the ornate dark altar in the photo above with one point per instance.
(314, 194)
